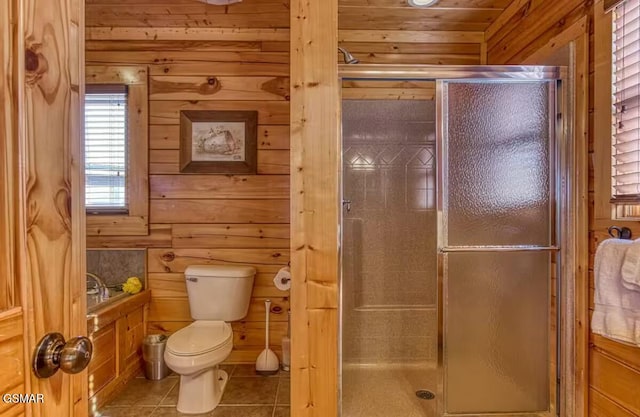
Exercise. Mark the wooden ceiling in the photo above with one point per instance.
(449, 15)
(446, 15)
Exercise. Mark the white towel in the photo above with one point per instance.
(617, 309)
(631, 267)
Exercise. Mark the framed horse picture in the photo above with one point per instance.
(218, 142)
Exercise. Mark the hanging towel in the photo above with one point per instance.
(631, 267)
(617, 309)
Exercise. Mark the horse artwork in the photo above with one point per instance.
(218, 141)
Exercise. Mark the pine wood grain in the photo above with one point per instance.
(214, 87)
(177, 309)
(315, 164)
(230, 236)
(616, 381)
(8, 171)
(172, 285)
(12, 372)
(219, 211)
(159, 237)
(602, 406)
(176, 260)
(220, 186)
(269, 112)
(52, 180)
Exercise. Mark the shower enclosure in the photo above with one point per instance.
(450, 245)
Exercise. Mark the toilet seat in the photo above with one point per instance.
(200, 337)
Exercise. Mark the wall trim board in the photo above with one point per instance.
(409, 36)
(188, 34)
(315, 164)
(575, 348)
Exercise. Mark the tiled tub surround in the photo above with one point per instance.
(114, 266)
(389, 255)
(246, 395)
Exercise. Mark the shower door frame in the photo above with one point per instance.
(567, 196)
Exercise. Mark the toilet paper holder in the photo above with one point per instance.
(285, 280)
(282, 280)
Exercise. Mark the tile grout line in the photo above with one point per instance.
(275, 400)
(165, 396)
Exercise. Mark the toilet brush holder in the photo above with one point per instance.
(267, 362)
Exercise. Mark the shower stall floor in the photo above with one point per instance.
(387, 390)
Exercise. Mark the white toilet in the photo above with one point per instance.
(217, 295)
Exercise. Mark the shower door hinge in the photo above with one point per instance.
(347, 205)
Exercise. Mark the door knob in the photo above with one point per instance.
(53, 353)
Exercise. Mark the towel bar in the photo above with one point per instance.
(619, 232)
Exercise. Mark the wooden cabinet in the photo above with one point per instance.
(117, 331)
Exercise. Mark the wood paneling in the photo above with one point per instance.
(392, 32)
(219, 211)
(525, 27)
(376, 46)
(616, 381)
(252, 236)
(205, 57)
(12, 338)
(117, 331)
(12, 371)
(315, 164)
(8, 161)
(50, 59)
(236, 57)
(259, 187)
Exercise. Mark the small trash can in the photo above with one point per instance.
(153, 354)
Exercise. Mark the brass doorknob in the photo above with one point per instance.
(52, 353)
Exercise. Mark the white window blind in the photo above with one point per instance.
(106, 148)
(626, 103)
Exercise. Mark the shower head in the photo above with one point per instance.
(348, 58)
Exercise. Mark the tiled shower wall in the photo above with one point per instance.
(389, 242)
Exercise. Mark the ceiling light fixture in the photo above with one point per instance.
(421, 3)
(221, 2)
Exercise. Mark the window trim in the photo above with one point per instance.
(136, 221)
(604, 209)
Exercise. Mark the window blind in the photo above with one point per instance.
(626, 103)
(105, 148)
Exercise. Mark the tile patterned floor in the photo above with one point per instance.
(246, 395)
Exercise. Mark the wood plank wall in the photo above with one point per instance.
(233, 58)
(196, 63)
(525, 27)
(392, 32)
(12, 347)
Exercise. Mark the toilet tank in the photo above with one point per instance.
(219, 292)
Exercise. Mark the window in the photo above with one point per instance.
(106, 148)
(625, 181)
(116, 150)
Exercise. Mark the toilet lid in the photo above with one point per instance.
(199, 337)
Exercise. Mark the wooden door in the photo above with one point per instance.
(41, 199)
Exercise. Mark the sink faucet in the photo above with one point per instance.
(103, 291)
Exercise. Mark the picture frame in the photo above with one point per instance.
(218, 142)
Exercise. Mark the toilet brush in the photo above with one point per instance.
(267, 362)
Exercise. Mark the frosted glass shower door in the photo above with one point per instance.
(497, 246)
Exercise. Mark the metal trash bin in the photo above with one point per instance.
(155, 367)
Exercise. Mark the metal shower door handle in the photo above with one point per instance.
(53, 353)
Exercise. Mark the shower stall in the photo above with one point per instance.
(451, 245)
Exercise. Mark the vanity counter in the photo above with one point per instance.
(116, 327)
